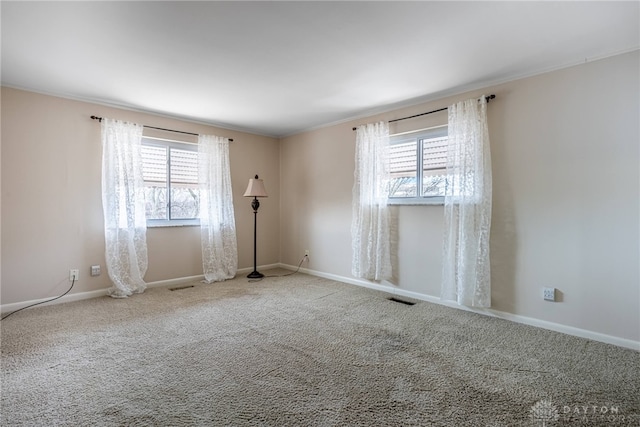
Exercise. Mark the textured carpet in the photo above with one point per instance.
(301, 351)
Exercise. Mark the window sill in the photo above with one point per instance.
(416, 201)
(158, 223)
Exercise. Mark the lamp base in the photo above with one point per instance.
(255, 275)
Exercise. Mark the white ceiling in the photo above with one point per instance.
(278, 68)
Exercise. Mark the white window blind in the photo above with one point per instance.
(170, 173)
(417, 166)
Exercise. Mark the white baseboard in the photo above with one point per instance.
(260, 267)
(78, 296)
(557, 327)
(6, 308)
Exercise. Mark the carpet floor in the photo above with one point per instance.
(301, 351)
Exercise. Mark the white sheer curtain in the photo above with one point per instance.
(370, 214)
(217, 221)
(125, 223)
(466, 275)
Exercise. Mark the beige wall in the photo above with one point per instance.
(565, 204)
(51, 198)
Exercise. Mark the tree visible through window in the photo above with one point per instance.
(170, 171)
(417, 165)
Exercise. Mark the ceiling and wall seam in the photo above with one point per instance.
(382, 110)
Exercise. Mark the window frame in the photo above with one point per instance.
(420, 135)
(168, 144)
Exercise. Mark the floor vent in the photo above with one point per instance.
(180, 288)
(401, 301)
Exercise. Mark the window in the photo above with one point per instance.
(170, 173)
(417, 167)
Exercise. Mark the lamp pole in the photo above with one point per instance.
(255, 204)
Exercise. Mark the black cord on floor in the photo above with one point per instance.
(282, 275)
(42, 302)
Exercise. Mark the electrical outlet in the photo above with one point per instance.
(95, 270)
(549, 294)
(306, 253)
(74, 275)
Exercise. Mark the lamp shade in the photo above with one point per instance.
(255, 188)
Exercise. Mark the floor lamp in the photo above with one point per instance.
(255, 189)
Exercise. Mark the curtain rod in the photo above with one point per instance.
(153, 127)
(488, 98)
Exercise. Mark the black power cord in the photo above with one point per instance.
(73, 282)
(282, 275)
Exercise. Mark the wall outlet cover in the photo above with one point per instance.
(549, 294)
(95, 270)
